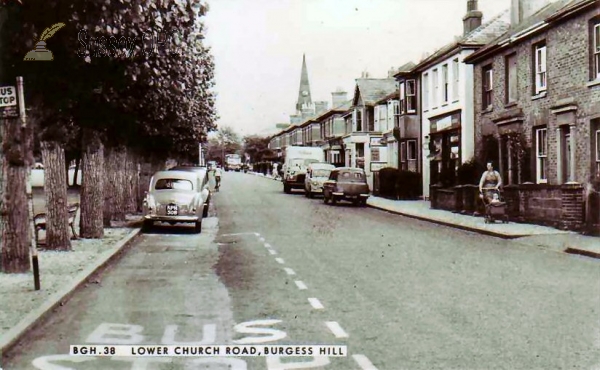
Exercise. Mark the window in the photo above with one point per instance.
(596, 51)
(402, 98)
(445, 86)
(541, 144)
(425, 91)
(540, 68)
(455, 76)
(512, 91)
(358, 120)
(488, 87)
(597, 157)
(403, 152)
(436, 88)
(411, 96)
(412, 150)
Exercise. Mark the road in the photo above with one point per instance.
(400, 293)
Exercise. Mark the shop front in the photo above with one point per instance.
(445, 148)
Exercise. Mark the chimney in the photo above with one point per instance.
(472, 19)
(338, 98)
(321, 107)
(392, 72)
(523, 9)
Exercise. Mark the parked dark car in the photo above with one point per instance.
(346, 183)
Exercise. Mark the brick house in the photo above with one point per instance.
(537, 110)
(446, 90)
(333, 129)
(407, 123)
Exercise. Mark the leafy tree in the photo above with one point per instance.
(256, 147)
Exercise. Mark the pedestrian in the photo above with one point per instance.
(490, 183)
(275, 170)
(217, 178)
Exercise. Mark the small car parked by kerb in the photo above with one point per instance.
(316, 175)
(346, 183)
(175, 196)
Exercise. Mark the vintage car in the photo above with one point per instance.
(203, 176)
(346, 183)
(316, 175)
(175, 196)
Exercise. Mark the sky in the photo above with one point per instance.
(258, 46)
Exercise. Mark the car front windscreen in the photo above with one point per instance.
(173, 184)
(321, 173)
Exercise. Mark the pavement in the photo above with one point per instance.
(16, 333)
(566, 241)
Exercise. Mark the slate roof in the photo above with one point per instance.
(480, 36)
(394, 95)
(549, 11)
(373, 89)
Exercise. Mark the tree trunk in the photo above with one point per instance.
(109, 185)
(92, 186)
(131, 194)
(120, 200)
(55, 188)
(14, 212)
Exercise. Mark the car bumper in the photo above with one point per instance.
(350, 196)
(316, 189)
(186, 218)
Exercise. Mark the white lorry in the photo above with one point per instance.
(296, 161)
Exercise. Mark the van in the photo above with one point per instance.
(296, 161)
(316, 175)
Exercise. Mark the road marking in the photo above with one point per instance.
(336, 329)
(315, 304)
(262, 239)
(272, 251)
(289, 271)
(363, 362)
(240, 234)
(267, 245)
(300, 285)
(280, 260)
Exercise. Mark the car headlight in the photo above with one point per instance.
(292, 173)
(315, 183)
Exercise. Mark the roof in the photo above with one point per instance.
(405, 68)
(373, 89)
(394, 95)
(551, 12)
(480, 36)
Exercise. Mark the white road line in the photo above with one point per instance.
(315, 304)
(280, 260)
(336, 329)
(272, 251)
(363, 362)
(240, 234)
(289, 271)
(300, 285)
(267, 245)
(262, 239)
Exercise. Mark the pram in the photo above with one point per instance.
(494, 210)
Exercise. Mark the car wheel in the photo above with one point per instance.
(325, 199)
(306, 193)
(147, 226)
(333, 201)
(356, 202)
(310, 194)
(198, 226)
(286, 189)
(363, 203)
(205, 210)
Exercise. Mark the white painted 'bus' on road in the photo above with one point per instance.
(336, 329)
(272, 251)
(364, 362)
(267, 245)
(300, 285)
(280, 260)
(289, 271)
(315, 304)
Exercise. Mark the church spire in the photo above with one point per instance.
(304, 91)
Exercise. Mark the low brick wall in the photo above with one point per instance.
(560, 206)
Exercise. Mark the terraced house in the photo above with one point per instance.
(537, 109)
(447, 115)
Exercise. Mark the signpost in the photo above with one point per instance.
(8, 102)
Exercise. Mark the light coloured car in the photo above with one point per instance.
(316, 175)
(203, 177)
(175, 196)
